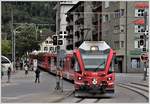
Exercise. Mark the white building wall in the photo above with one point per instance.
(48, 43)
(65, 6)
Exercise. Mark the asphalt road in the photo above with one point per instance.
(22, 89)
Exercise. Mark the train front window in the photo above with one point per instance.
(94, 61)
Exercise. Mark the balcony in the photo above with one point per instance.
(79, 21)
(69, 27)
(96, 18)
(97, 6)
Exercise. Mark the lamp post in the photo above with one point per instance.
(14, 46)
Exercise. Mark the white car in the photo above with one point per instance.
(5, 64)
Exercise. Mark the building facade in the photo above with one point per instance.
(119, 23)
(47, 46)
(121, 30)
(64, 7)
(84, 23)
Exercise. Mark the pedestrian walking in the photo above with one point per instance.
(2, 74)
(2, 71)
(21, 65)
(8, 74)
(26, 69)
(37, 75)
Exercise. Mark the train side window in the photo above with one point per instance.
(72, 62)
(77, 69)
(111, 70)
(49, 60)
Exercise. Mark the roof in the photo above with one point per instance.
(102, 45)
(45, 35)
(74, 7)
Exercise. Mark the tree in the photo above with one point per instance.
(6, 47)
(26, 40)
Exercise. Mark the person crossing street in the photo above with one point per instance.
(26, 69)
(37, 75)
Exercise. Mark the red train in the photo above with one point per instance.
(91, 67)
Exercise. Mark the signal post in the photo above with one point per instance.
(144, 54)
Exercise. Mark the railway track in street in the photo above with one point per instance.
(73, 99)
(141, 89)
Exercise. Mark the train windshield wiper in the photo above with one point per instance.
(99, 66)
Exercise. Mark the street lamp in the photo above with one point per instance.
(14, 46)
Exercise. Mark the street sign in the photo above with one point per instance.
(144, 57)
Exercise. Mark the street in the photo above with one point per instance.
(23, 89)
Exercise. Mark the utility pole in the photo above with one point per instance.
(57, 33)
(13, 40)
(98, 26)
(144, 48)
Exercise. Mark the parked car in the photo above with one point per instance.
(5, 64)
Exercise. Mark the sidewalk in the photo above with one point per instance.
(23, 89)
(132, 78)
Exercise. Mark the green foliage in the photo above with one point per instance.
(27, 12)
(6, 47)
(26, 40)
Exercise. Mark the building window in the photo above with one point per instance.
(117, 14)
(135, 62)
(46, 42)
(51, 49)
(60, 32)
(140, 12)
(106, 4)
(116, 29)
(122, 44)
(121, 12)
(136, 44)
(139, 29)
(50, 42)
(106, 18)
(122, 28)
(116, 45)
(45, 48)
(65, 32)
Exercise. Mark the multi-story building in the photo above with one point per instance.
(64, 7)
(83, 23)
(121, 29)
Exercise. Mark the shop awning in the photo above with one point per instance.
(139, 22)
(142, 5)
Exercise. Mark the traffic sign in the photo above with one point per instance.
(144, 57)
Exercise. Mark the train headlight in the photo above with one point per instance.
(109, 78)
(94, 48)
(79, 78)
(94, 81)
